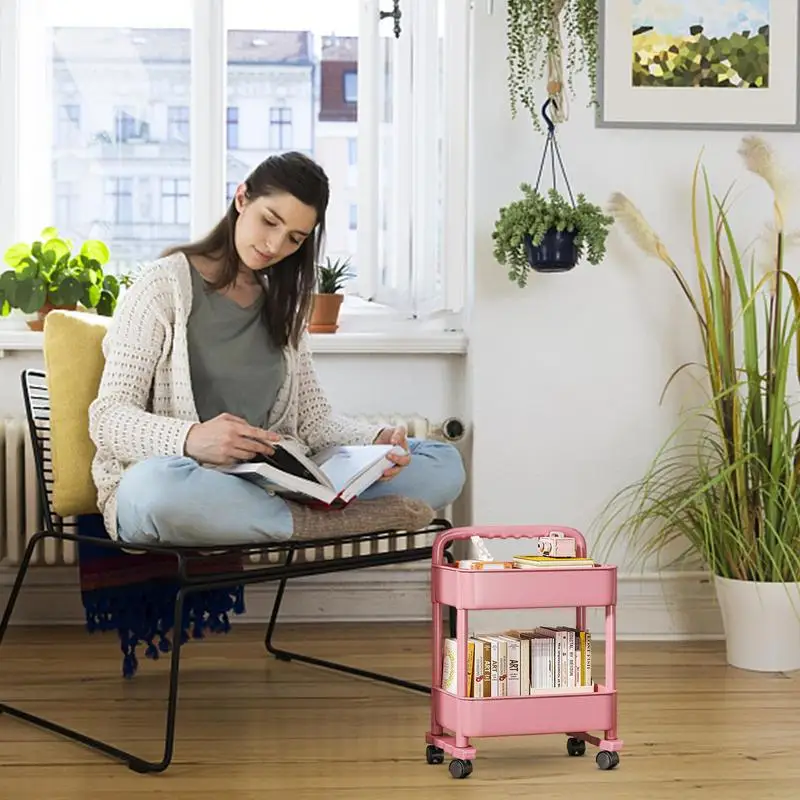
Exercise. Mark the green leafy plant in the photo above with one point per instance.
(46, 274)
(534, 215)
(533, 40)
(332, 275)
(724, 489)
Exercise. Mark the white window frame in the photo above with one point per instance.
(414, 139)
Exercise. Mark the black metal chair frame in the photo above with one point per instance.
(37, 411)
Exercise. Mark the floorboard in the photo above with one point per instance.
(250, 726)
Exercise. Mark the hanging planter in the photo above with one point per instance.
(536, 44)
(548, 232)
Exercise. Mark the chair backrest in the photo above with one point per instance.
(37, 411)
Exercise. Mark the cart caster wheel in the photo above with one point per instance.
(460, 769)
(434, 755)
(607, 759)
(576, 747)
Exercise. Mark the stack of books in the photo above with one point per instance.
(528, 562)
(523, 662)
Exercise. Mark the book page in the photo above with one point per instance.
(343, 465)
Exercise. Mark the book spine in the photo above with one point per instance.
(449, 666)
(495, 667)
(502, 667)
(477, 671)
(487, 669)
(588, 658)
(514, 663)
(470, 666)
(524, 666)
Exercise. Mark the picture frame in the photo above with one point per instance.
(620, 104)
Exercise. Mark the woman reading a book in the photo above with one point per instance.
(208, 364)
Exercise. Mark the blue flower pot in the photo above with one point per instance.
(555, 253)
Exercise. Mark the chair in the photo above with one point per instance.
(286, 560)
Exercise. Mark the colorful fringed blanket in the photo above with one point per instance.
(134, 594)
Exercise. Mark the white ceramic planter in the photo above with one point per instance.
(762, 624)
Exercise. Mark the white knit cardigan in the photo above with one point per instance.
(145, 404)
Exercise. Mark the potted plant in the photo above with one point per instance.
(725, 487)
(546, 233)
(327, 300)
(535, 43)
(45, 275)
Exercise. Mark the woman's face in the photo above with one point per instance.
(270, 228)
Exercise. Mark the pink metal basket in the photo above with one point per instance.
(570, 713)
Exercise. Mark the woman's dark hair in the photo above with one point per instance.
(289, 285)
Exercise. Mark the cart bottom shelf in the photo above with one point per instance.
(527, 715)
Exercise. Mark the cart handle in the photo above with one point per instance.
(505, 532)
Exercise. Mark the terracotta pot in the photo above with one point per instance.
(325, 313)
(38, 323)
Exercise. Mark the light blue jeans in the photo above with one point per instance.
(174, 500)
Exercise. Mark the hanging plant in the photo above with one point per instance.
(534, 33)
(546, 232)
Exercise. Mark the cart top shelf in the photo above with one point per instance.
(559, 587)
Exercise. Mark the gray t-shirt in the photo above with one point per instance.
(234, 365)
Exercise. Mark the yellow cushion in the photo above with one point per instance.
(74, 361)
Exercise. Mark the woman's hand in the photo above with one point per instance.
(396, 436)
(227, 439)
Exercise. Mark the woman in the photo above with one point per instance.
(208, 363)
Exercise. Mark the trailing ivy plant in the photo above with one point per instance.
(534, 215)
(46, 273)
(532, 38)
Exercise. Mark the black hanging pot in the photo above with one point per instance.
(556, 252)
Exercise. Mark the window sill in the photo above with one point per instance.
(423, 342)
(406, 342)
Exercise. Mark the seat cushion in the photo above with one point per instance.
(74, 361)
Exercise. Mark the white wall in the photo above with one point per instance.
(566, 374)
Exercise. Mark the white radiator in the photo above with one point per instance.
(20, 507)
(21, 511)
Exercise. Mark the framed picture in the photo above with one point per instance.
(701, 64)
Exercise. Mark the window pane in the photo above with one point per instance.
(288, 68)
(117, 81)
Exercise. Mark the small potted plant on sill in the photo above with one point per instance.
(45, 275)
(327, 300)
(548, 234)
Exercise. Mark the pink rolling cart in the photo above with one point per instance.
(572, 714)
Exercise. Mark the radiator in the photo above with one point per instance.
(20, 506)
(21, 510)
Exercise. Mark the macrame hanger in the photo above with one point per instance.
(556, 90)
(552, 146)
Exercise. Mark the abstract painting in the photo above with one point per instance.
(702, 43)
(676, 64)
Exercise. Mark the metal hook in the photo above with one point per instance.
(551, 128)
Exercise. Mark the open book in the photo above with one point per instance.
(333, 476)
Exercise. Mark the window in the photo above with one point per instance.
(175, 209)
(280, 128)
(119, 200)
(232, 128)
(178, 123)
(69, 125)
(126, 126)
(175, 103)
(66, 207)
(351, 87)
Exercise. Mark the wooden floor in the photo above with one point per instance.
(252, 727)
